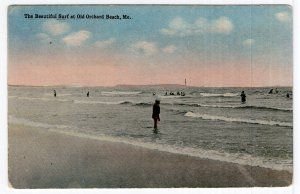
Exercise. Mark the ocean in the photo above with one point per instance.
(207, 123)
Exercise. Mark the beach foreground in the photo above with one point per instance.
(46, 159)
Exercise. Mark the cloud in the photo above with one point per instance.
(144, 47)
(44, 38)
(179, 27)
(55, 27)
(105, 43)
(283, 16)
(248, 42)
(77, 38)
(169, 49)
(222, 25)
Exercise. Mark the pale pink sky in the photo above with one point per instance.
(110, 69)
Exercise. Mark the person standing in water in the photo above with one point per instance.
(271, 91)
(54, 93)
(155, 114)
(88, 94)
(243, 97)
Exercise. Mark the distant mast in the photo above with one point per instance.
(185, 81)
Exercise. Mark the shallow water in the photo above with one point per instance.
(206, 122)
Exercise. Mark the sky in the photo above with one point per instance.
(211, 46)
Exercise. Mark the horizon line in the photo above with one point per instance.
(201, 86)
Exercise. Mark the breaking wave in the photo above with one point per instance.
(100, 102)
(114, 103)
(219, 95)
(26, 122)
(42, 99)
(230, 119)
(120, 93)
(237, 106)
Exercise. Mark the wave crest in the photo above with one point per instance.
(230, 119)
(120, 93)
(101, 102)
(237, 106)
(219, 95)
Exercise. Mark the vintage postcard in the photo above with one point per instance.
(150, 96)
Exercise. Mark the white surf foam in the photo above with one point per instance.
(120, 93)
(42, 99)
(26, 122)
(219, 95)
(229, 119)
(99, 102)
(171, 96)
(237, 158)
(219, 106)
(244, 106)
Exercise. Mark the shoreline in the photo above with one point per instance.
(235, 158)
(191, 152)
(48, 159)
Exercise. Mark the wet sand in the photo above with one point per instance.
(46, 159)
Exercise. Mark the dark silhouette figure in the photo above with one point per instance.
(287, 95)
(54, 93)
(271, 91)
(178, 93)
(166, 94)
(155, 114)
(276, 91)
(88, 94)
(243, 97)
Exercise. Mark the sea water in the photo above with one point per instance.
(206, 123)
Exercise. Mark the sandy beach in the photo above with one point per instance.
(46, 159)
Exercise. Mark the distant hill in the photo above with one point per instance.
(153, 85)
